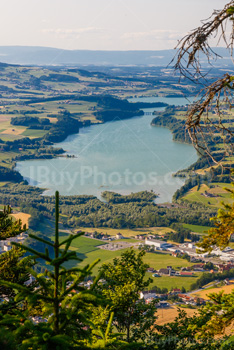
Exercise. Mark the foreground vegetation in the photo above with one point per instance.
(56, 310)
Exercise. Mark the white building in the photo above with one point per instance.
(191, 250)
(157, 244)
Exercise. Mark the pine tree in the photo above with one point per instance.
(9, 227)
(65, 304)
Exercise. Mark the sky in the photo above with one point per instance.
(101, 24)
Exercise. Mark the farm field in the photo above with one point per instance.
(23, 217)
(211, 196)
(127, 232)
(169, 314)
(196, 228)
(87, 250)
(204, 293)
(173, 282)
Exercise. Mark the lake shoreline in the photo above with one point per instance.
(69, 154)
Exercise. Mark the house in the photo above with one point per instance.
(186, 273)
(198, 267)
(224, 268)
(119, 236)
(173, 250)
(148, 294)
(175, 254)
(199, 301)
(151, 270)
(227, 281)
(6, 247)
(176, 291)
(139, 237)
(166, 272)
(230, 266)
(163, 304)
(184, 297)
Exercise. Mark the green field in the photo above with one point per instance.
(87, 250)
(197, 228)
(33, 133)
(162, 260)
(173, 282)
(216, 194)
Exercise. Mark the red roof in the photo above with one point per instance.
(186, 273)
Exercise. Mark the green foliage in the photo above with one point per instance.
(13, 266)
(103, 337)
(9, 227)
(89, 211)
(182, 333)
(7, 340)
(65, 304)
(224, 227)
(14, 269)
(29, 121)
(220, 311)
(208, 277)
(140, 197)
(10, 175)
(123, 281)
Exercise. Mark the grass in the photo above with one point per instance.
(84, 245)
(3, 183)
(128, 232)
(162, 260)
(217, 192)
(88, 251)
(33, 133)
(196, 228)
(6, 158)
(173, 282)
(8, 137)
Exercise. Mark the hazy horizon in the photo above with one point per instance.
(104, 25)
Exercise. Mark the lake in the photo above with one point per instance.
(123, 156)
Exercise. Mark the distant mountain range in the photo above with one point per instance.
(35, 55)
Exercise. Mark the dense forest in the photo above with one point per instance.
(132, 211)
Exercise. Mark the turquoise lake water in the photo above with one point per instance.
(123, 156)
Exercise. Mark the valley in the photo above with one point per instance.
(49, 115)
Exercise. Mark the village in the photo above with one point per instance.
(149, 242)
(216, 262)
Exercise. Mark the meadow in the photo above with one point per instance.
(211, 196)
(87, 249)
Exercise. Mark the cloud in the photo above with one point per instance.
(67, 32)
(154, 34)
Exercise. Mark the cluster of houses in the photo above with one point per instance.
(190, 270)
(5, 245)
(103, 236)
(190, 249)
(162, 299)
(169, 271)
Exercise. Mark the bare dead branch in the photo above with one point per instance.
(208, 120)
(205, 118)
(190, 46)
